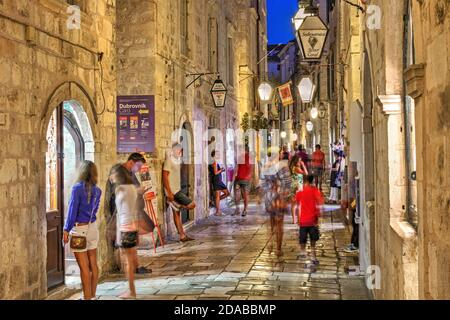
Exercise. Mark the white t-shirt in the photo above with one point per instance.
(126, 204)
(174, 169)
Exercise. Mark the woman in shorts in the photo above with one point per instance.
(82, 221)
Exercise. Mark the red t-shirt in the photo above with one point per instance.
(244, 170)
(309, 200)
(317, 158)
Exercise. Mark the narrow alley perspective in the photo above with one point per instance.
(233, 258)
(264, 155)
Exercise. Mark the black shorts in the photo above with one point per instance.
(182, 199)
(313, 232)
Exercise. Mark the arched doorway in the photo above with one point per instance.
(69, 142)
(186, 171)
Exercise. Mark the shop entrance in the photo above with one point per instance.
(70, 141)
(186, 167)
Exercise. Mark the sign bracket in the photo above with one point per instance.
(198, 76)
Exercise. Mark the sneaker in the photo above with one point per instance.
(351, 248)
(244, 213)
(143, 270)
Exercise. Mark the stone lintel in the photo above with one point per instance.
(390, 104)
(414, 80)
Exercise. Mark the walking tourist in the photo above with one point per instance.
(242, 182)
(298, 171)
(276, 186)
(81, 226)
(284, 154)
(318, 166)
(219, 188)
(132, 166)
(172, 187)
(126, 198)
(304, 155)
(310, 201)
(335, 181)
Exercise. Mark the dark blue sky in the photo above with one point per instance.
(279, 15)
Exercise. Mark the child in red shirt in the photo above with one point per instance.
(309, 202)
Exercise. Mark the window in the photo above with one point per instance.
(183, 27)
(230, 53)
(212, 45)
(79, 3)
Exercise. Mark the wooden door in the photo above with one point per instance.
(54, 207)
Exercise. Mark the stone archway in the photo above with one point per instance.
(67, 138)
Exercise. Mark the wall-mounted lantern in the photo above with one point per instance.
(265, 91)
(306, 89)
(219, 93)
(309, 126)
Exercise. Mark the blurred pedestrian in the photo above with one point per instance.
(219, 188)
(318, 166)
(242, 182)
(126, 199)
(276, 188)
(298, 170)
(335, 178)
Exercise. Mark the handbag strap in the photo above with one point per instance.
(93, 200)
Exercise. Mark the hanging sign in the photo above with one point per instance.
(135, 124)
(219, 93)
(312, 34)
(286, 94)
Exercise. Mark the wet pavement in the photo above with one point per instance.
(231, 259)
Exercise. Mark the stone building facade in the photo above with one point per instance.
(42, 65)
(48, 62)
(393, 107)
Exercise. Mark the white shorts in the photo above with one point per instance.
(91, 234)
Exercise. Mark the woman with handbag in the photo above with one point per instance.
(127, 224)
(81, 226)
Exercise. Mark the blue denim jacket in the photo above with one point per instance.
(80, 209)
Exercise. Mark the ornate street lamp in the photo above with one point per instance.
(309, 126)
(294, 137)
(306, 89)
(314, 112)
(265, 91)
(311, 33)
(219, 93)
(298, 19)
(283, 134)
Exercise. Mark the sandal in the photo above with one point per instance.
(186, 239)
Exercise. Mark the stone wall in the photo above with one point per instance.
(428, 83)
(39, 58)
(151, 61)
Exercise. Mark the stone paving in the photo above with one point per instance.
(231, 259)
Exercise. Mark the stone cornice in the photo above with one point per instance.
(414, 80)
(390, 104)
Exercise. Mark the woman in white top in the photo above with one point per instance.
(127, 224)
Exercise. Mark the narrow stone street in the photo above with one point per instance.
(232, 259)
